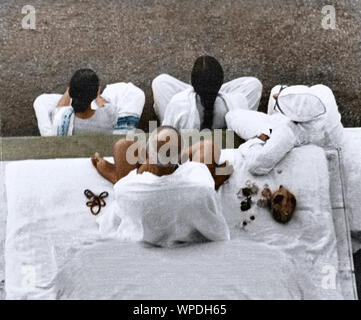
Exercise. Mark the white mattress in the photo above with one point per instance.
(352, 169)
(51, 235)
(238, 269)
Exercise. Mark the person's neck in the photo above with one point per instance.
(156, 169)
(86, 114)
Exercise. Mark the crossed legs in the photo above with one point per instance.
(204, 152)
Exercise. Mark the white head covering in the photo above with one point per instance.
(301, 103)
(314, 108)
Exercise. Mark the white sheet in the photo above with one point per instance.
(309, 237)
(238, 269)
(44, 231)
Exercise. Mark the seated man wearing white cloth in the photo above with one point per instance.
(83, 109)
(170, 201)
(205, 103)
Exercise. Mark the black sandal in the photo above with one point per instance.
(95, 202)
(88, 193)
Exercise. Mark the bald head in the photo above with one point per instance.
(164, 146)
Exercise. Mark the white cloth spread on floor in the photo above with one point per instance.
(310, 236)
(48, 222)
(183, 208)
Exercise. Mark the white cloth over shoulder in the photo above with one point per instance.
(177, 104)
(182, 112)
(248, 124)
(63, 122)
(126, 99)
(44, 107)
(166, 211)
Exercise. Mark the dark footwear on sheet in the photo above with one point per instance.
(95, 202)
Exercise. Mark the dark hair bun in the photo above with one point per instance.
(83, 89)
(79, 105)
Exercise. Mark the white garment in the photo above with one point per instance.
(177, 104)
(44, 107)
(128, 99)
(316, 104)
(262, 157)
(325, 130)
(283, 134)
(125, 98)
(167, 210)
(248, 124)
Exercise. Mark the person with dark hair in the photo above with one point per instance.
(83, 109)
(204, 103)
(84, 87)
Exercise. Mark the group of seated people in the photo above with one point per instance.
(203, 104)
(206, 103)
(296, 115)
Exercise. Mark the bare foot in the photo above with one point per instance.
(95, 159)
(104, 168)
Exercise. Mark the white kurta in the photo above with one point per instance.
(176, 103)
(167, 210)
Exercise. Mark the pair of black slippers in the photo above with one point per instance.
(95, 202)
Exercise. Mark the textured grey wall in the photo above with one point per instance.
(279, 41)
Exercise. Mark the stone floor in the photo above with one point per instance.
(279, 41)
